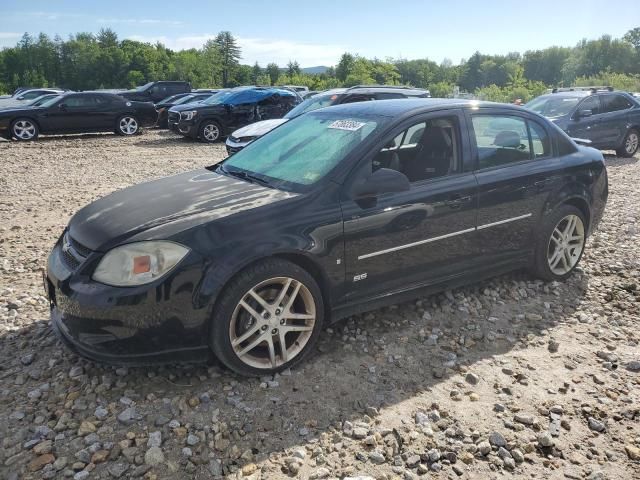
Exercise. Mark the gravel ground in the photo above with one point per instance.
(509, 378)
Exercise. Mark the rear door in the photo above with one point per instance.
(516, 172)
(614, 118)
(397, 241)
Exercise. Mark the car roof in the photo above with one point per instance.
(387, 89)
(397, 107)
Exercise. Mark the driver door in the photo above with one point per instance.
(396, 241)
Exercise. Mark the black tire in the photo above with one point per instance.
(24, 130)
(209, 131)
(630, 144)
(228, 313)
(545, 247)
(127, 125)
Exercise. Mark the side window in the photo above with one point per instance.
(591, 103)
(389, 96)
(540, 141)
(424, 151)
(80, 101)
(613, 103)
(500, 139)
(357, 98)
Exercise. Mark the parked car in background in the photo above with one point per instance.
(610, 119)
(299, 89)
(227, 111)
(338, 211)
(241, 137)
(156, 91)
(35, 93)
(36, 102)
(310, 93)
(163, 106)
(77, 113)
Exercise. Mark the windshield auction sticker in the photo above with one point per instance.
(350, 125)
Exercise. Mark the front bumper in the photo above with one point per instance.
(155, 323)
(184, 127)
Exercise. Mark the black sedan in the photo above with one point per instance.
(338, 211)
(77, 113)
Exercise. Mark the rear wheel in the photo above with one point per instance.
(268, 318)
(24, 129)
(630, 144)
(127, 125)
(210, 131)
(560, 243)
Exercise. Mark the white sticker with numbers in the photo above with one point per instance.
(350, 125)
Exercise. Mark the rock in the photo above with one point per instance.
(100, 456)
(412, 461)
(81, 475)
(497, 440)
(116, 470)
(86, 428)
(472, 378)
(101, 413)
(467, 457)
(524, 419)
(484, 448)
(421, 418)
(215, 468)
(596, 425)
(633, 366)
(76, 372)
(545, 439)
(192, 439)
(360, 432)
(154, 456)
(155, 439)
(517, 455)
(633, 452)
(376, 457)
(553, 346)
(320, 474)
(43, 447)
(509, 463)
(40, 461)
(127, 416)
(60, 463)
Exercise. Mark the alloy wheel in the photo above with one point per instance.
(272, 323)
(211, 132)
(128, 125)
(631, 143)
(566, 245)
(24, 130)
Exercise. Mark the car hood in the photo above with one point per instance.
(199, 106)
(258, 129)
(16, 109)
(164, 207)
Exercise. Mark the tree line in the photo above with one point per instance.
(86, 61)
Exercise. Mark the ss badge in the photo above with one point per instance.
(362, 276)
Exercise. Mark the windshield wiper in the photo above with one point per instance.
(245, 176)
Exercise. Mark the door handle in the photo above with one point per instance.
(540, 184)
(456, 201)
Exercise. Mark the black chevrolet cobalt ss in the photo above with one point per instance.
(339, 211)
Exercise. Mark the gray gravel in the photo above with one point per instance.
(512, 377)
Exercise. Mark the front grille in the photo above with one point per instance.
(174, 117)
(73, 252)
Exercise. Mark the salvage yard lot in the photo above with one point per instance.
(511, 375)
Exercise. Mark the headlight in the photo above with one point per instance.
(138, 263)
(188, 115)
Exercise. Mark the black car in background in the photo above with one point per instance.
(77, 113)
(163, 106)
(361, 93)
(609, 119)
(156, 91)
(227, 111)
(338, 211)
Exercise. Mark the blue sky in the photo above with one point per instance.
(317, 33)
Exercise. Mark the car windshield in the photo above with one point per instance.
(143, 87)
(302, 151)
(186, 99)
(313, 103)
(170, 98)
(36, 102)
(553, 106)
(245, 95)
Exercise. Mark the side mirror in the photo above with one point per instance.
(383, 180)
(63, 107)
(21, 97)
(585, 113)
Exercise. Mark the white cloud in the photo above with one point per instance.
(260, 50)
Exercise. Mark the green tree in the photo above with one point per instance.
(256, 72)
(345, 65)
(293, 68)
(274, 72)
(229, 52)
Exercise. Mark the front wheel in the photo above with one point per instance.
(560, 243)
(127, 125)
(268, 318)
(210, 131)
(630, 144)
(24, 129)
